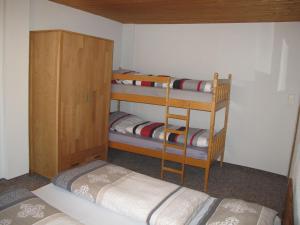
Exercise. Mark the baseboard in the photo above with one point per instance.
(288, 215)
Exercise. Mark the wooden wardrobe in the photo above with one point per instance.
(70, 81)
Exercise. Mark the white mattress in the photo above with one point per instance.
(86, 212)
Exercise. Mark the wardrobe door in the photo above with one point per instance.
(43, 97)
(99, 70)
(83, 102)
(73, 97)
(105, 95)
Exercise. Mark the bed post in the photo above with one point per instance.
(206, 176)
(226, 117)
(211, 130)
(118, 105)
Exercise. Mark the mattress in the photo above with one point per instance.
(87, 212)
(161, 92)
(192, 152)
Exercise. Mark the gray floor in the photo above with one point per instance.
(26, 181)
(230, 181)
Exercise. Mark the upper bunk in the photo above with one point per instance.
(135, 87)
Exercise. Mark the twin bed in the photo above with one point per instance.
(103, 193)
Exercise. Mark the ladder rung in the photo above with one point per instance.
(172, 170)
(179, 159)
(182, 132)
(180, 147)
(178, 117)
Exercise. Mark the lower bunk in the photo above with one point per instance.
(141, 199)
(133, 134)
(146, 146)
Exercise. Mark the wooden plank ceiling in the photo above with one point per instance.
(190, 11)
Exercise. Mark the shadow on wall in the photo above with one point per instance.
(265, 107)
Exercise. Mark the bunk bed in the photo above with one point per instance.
(160, 91)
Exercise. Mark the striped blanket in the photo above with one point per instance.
(183, 84)
(131, 124)
(156, 202)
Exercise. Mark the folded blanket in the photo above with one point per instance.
(22, 207)
(183, 84)
(131, 124)
(154, 201)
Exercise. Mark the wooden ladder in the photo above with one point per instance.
(166, 144)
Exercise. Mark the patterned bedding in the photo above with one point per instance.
(131, 124)
(21, 207)
(157, 202)
(183, 84)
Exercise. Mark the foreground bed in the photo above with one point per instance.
(85, 211)
(152, 201)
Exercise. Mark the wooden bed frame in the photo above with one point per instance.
(220, 99)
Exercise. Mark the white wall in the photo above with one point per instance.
(263, 58)
(15, 88)
(1, 86)
(295, 175)
(49, 15)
